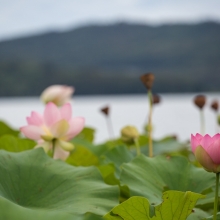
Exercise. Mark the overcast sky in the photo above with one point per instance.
(26, 17)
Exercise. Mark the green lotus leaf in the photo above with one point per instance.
(108, 174)
(117, 156)
(198, 214)
(97, 150)
(34, 186)
(89, 216)
(150, 177)
(211, 217)
(5, 129)
(165, 145)
(82, 156)
(87, 134)
(15, 144)
(175, 205)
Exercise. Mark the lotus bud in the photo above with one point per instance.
(58, 94)
(214, 106)
(148, 80)
(129, 134)
(199, 101)
(207, 150)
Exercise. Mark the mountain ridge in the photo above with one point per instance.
(183, 57)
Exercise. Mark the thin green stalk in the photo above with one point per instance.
(150, 124)
(216, 197)
(137, 146)
(53, 147)
(202, 122)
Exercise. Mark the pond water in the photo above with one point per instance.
(175, 115)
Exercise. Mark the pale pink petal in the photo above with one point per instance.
(195, 142)
(66, 111)
(206, 142)
(67, 92)
(58, 94)
(59, 153)
(199, 137)
(51, 114)
(45, 145)
(32, 132)
(51, 93)
(214, 151)
(215, 137)
(76, 126)
(60, 128)
(35, 119)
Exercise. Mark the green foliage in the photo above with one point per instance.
(176, 205)
(86, 134)
(5, 129)
(211, 217)
(166, 145)
(99, 177)
(82, 156)
(15, 144)
(150, 177)
(34, 186)
(117, 156)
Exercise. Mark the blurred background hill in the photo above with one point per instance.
(85, 44)
(109, 59)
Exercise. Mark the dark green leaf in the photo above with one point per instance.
(15, 144)
(150, 177)
(5, 129)
(34, 186)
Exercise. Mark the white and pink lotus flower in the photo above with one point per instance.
(58, 94)
(54, 129)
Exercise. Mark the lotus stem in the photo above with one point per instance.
(202, 120)
(53, 147)
(137, 146)
(150, 124)
(216, 197)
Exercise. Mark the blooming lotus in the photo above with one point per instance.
(58, 94)
(53, 129)
(207, 151)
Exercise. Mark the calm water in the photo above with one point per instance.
(175, 115)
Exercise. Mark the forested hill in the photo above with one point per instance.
(110, 59)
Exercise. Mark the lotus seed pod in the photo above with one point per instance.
(200, 101)
(147, 80)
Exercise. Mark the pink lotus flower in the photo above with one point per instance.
(58, 94)
(53, 129)
(207, 151)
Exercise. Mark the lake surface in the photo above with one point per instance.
(175, 115)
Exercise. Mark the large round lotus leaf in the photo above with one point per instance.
(150, 177)
(5, 129)
(165, 145)
(34, 186)
(117, 156)
(86, 134)
(15, 144)
(175, 205)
